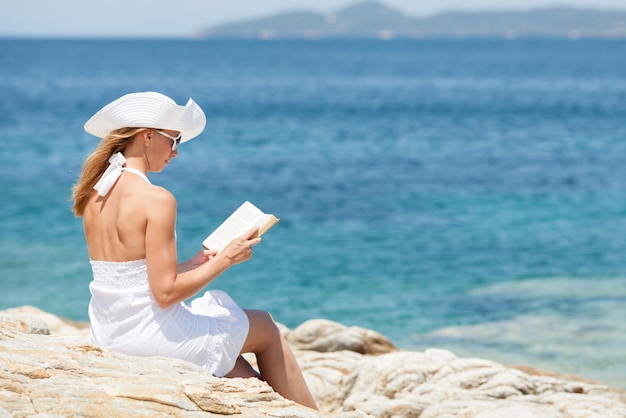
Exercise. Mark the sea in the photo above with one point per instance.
(468, 195)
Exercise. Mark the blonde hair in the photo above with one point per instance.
(96, 163)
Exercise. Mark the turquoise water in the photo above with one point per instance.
(468, 195)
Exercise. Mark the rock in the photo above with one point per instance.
(43, 373)
(325, 336)
(48, 322)
(437, 383)
(48, 367)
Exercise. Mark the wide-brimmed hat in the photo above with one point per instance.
(148, 110)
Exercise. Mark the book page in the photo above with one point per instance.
(246, 217)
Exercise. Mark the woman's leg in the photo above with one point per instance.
(277, 364)
(243, 369)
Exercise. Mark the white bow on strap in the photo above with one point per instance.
(112, 173)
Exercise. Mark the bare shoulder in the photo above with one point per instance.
(162, 195)
(158, 198)
(148, 200)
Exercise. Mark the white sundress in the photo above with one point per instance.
(209, 331)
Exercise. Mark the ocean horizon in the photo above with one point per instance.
(460, 194)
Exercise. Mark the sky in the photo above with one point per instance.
(184, 18)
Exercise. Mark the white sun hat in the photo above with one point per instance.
(148, 110)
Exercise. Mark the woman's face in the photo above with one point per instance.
(163, 147)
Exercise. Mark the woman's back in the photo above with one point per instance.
(115, 225)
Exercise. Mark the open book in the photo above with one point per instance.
(246, 217)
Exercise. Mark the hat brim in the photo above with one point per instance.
(148, 110)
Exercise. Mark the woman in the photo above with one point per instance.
(138, 288)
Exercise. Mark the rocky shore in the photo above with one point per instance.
(49, 368)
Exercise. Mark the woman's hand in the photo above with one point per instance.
(197, 260)
(201, 257)
(240, 249)
(201, 269)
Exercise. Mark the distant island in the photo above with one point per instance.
(373, 20)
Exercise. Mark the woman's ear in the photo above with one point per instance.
(146, 136)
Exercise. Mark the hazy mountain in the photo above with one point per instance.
(374, 20)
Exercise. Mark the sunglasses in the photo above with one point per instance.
(175, 140)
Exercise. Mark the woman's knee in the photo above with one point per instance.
(260, 319)
(263, 330)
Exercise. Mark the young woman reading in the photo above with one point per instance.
(139, 288)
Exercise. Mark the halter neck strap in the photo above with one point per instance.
(111, 174)
(138, 172)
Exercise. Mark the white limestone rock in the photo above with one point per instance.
(326, 336)
(48, 367)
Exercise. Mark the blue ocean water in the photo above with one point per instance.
(462, 194)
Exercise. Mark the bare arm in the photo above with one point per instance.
(197, 260)
(169, 283)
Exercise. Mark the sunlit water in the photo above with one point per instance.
(468, 195)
